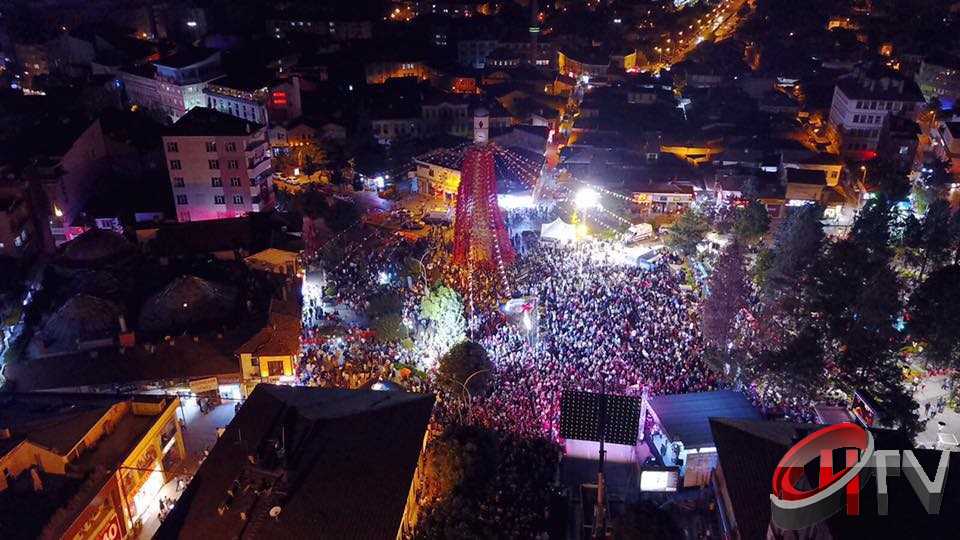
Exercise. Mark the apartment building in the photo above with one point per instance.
(219, 166)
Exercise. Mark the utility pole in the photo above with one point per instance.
(600, 513)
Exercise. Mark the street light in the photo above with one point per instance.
(586, 198)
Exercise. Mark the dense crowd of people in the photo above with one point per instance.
(603, 327)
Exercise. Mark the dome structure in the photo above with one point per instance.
(81, 318)
(96, 246)
(188, 303)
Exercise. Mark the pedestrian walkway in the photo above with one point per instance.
(200, 433)
(941, 423)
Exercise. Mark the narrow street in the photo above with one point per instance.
(200, 433)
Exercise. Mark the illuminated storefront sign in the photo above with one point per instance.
(101, 519)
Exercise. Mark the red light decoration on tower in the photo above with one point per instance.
(279, 98)
(480, 237)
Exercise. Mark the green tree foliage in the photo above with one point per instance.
(729, 293)
(482, 484)
(798, 368)
(460, 459)
(751, 222)
(466, 363)
(871, 229)
(385, 312)
(762, 266)
(688, 232)
(928, 242)
(935, 176)
(797, 244)
(854, 299)
(935, 316)
(889, 180)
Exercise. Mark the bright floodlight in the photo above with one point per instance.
(586, 198)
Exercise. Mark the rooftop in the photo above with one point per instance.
(685, 417)
(806, 176)
(346, 473)
(204, 122)
(187, 57)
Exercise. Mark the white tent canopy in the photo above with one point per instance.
(559, 231)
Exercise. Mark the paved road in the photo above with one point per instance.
(935, 434)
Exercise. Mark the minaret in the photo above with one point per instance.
(481, 126)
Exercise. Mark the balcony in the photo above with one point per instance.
(257, 166)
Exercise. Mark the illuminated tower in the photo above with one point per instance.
(480, 237)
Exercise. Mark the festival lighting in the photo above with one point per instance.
(586, 198)
(383, 278)
(509, 201)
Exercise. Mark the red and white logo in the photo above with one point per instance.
(794, 505)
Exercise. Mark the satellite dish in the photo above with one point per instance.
(275, 511)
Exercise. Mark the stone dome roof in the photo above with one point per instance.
(188, 303)
(81, 318)
(96, 245)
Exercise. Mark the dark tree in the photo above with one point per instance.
(935, 175)
(688, 232)
(796, 245)
(461, 458)
(928, 241)
(762, 266)
(751, 222)
(854, 298)
(343, 215)
(885, 175)
(729, 291)
(935, 316)
(385, 312)
(467, 363)
(798, 368)
(482, 484)
(871, 230)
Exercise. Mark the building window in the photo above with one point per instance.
(178, 181)
(211, 146)
(275, 368)
(253, 182)
(172, 147)
(181, 199)
(235, 181)
(175, 165)
(216, 181)
(238, 199)
(214, 164)
(231, 147)
(219, 199)
(232, 164)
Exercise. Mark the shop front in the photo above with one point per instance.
(102, 519)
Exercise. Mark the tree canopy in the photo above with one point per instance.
(935, 316)
(467, 363)
(688, 232)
